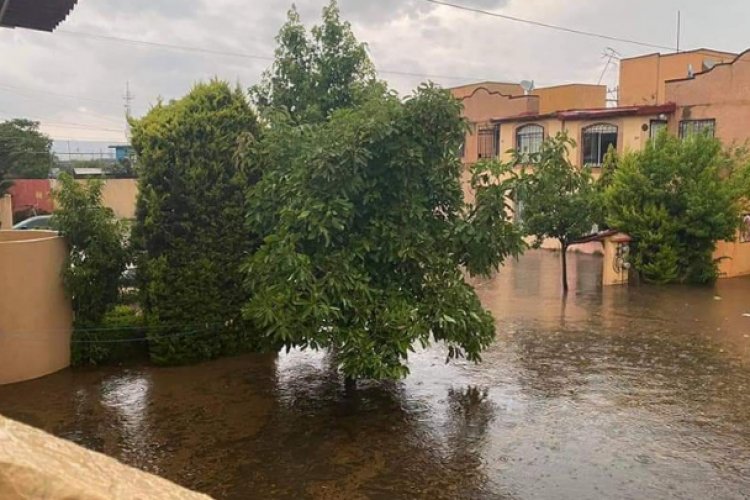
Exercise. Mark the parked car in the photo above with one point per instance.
(38, 222)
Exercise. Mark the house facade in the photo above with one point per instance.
(685, 93)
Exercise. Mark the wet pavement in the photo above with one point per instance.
(637, 392)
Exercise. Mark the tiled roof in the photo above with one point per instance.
(43, 15)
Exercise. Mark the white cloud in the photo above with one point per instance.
(403, 35)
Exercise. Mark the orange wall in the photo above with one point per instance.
(722, 94)
(631, 136)
(485, 102)
(36, 317)
(642, 79)
(482, 105)
(573, 96)
(501, 87)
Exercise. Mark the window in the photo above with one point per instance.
(656, 127)
(529, 140)
(462, 149)
(692, 127)
(596, 142)
(488, 142)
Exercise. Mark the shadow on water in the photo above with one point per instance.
(614, 392)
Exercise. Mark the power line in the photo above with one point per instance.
(243, 55)
(73, 125)
(549, 26)
(56, 94)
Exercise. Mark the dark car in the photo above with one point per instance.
(39, 222)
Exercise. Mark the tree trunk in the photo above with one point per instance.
(564, 245)
(350, 385)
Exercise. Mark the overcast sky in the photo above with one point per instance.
(89, 74)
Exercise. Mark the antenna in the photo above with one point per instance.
(127, 98)
(609, 54)
(527, 86)
(679, 26)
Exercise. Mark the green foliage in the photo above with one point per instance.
(677, 198)
(96, 260)
(190, 232)
(365, 232)
(315, 73)
(25, 153)
(559, 199)
(120, 337)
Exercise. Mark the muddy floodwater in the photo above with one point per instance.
(616, 393)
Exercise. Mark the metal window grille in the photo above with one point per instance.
(597, 140)
(692, 127)
(529, 139)
(488, 138)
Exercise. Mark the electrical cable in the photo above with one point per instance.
(549, 26)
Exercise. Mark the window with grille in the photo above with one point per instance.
(655, 127)
(529, 140)
(596, 141)
(488, 145)
(692, 127)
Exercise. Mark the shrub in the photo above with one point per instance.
(676, 198)
(95, 262)
(190, 223)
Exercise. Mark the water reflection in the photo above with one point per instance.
(616, 393)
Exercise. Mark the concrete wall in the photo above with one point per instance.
(34, 464)
(631, 136)
(501, 87)
(643, 79)
(35, 313)
(722, 94)
(118, 194)
(32, 194)
(486, 101)
(6, 212)
(734, 258)
(572, 96)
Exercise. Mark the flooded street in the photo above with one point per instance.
(635, 392)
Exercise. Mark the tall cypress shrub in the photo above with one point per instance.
(189, 231)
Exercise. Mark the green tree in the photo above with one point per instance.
(316, 73)
(95, 263)
(190, 229)
(559, 199)
(25, 153)
(366, 232)
(677, 198)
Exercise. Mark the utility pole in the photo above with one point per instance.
(679, 26)
(128, 99)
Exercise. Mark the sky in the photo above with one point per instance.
(73, 80)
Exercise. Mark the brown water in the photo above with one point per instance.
(615, 393)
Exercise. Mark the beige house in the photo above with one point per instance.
(684, 92)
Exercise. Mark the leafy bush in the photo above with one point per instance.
(121, 336)
(96, 260)
(559, 199)
(366, 232)
(677, 198)
(190, 230)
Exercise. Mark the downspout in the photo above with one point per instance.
(3, 8)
